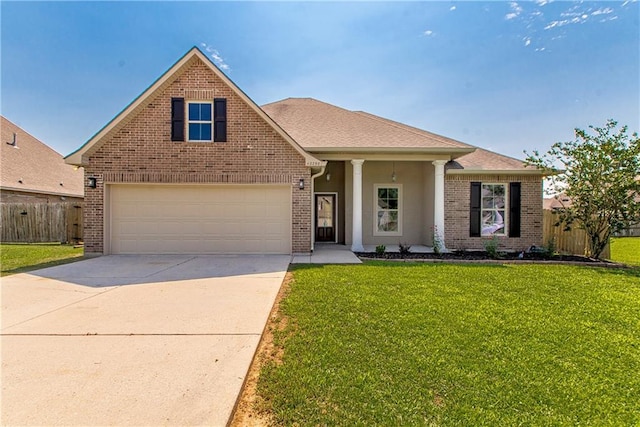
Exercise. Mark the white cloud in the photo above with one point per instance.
(608, 18)
(452, 8)
(217, 59)
(603, 11)
(428, 33)
(516, 10)
(542, 2)
(527, 41)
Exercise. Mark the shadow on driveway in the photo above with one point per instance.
(121, 270)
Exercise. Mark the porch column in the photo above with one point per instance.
(356, 229)
(438, 201)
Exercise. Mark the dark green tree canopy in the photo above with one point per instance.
(600, 172)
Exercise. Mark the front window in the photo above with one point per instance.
(493, 209)
(200, 121)
(388, 210)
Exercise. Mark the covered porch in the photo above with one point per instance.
(380, 200)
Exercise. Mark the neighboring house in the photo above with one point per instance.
(32, 172)
(559, 201)
(193, 165)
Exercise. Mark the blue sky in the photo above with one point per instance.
(506, 76)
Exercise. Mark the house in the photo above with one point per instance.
(558, 201)
(32, 172)
(193, 165)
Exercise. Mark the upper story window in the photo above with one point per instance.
(387, 210)
(200, 121)
(493, 212)
(205, 120)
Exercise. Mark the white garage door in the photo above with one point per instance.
(169, 219)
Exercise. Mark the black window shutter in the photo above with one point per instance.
(474, 214)
(514, 209)
(177, 119)
(220, 120)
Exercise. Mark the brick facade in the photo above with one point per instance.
(457, 212)
(139, 150)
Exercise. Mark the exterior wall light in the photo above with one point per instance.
(301, 184)
(93, 182)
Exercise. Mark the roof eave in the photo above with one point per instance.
(495, 172)
(454, 152)
(36, 191)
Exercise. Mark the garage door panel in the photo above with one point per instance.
(200, 219)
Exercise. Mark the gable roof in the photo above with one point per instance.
(321, 127)
(40, 168)
(78, 156)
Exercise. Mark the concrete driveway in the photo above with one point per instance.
(133, 340)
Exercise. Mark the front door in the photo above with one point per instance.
(326, 217)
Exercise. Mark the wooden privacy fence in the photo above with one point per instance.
(633, 231)
(573, 242)
(41, 222)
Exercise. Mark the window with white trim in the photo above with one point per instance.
(387, 210)
(200, 121)
(493, 210)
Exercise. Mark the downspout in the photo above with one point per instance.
(313, 216)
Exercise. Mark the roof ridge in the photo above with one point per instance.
(413, 129)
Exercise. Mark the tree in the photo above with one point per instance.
(600, 172)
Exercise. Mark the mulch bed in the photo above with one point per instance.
(481, 256)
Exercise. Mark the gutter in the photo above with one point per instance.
(313, 217)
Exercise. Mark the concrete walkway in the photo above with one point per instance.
(133, 340)
(327, 254)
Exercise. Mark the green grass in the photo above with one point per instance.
(438, 344)
(17, 258)
(626, 250)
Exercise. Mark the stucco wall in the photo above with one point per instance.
(141, 151)
(457, 212)
(416, 179)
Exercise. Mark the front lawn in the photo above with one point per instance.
(626, 250)
(440, 344)
(18, 258)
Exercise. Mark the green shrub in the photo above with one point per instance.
(491, 246)
(405, 248)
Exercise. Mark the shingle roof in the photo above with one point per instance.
(39, 167)
(321, 127)
(318, 126)
(485, 161)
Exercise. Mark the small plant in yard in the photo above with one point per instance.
(380, 250)
(492, 247)
(437, 243)
(405, 248)
(550, 248)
